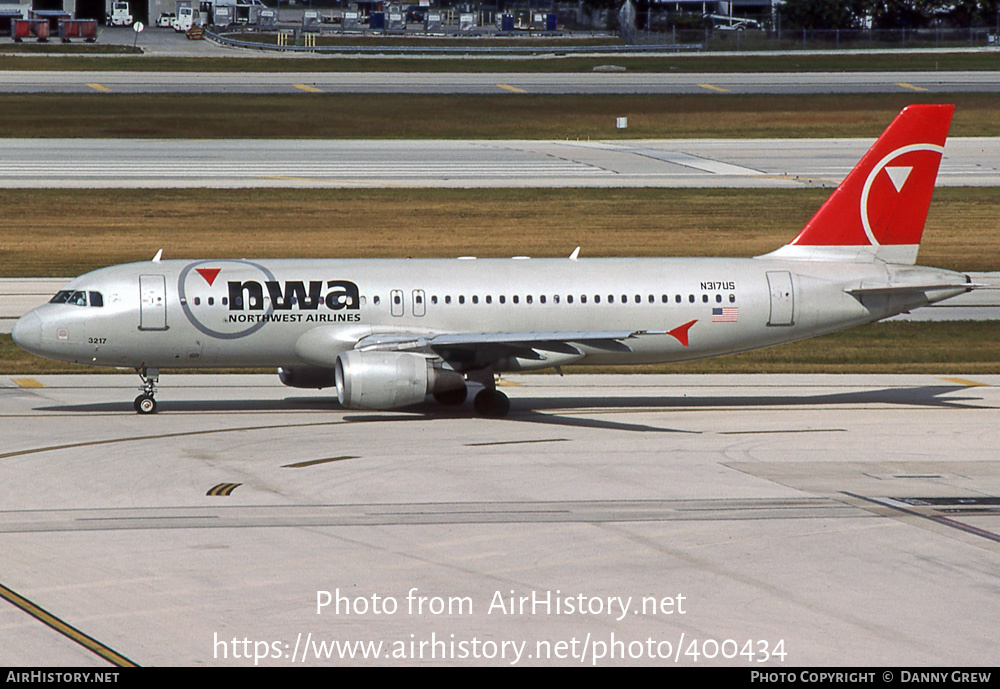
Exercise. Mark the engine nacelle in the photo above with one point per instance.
(307, 377)
(387, 380)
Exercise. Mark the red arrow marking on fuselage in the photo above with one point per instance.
(681, 332)
(209, 274)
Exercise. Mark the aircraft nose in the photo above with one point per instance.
(27, 332)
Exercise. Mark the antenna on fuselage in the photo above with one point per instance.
(156, 259)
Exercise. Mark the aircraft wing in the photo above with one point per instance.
(487, 347)
(448, 345)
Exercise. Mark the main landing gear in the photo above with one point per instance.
(144, 403)
(489, 401)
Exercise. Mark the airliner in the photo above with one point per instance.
(388, 333)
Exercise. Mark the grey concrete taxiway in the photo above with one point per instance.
(609, 520)
(751, 163)
(499, 82)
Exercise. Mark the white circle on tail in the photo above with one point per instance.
(895, 181)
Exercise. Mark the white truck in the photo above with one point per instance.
(120, 14)
(184, 19)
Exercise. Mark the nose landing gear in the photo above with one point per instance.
(145, 403)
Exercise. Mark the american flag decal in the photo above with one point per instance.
(726, 314)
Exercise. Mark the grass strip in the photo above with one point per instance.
(59, 232)
(502, 116)
(832, 61)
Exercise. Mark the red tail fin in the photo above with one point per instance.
(879, 210)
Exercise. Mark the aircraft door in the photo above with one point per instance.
(419, 305)
(152, 302)
(396, 302)
(782, 298)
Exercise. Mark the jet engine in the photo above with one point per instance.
(387, 380)
(307, 377)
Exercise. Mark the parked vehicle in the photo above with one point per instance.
(120, 14)
(184, 19)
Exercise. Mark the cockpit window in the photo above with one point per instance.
(76, 298)
(96, 299)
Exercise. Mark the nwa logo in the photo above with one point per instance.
(293, 294)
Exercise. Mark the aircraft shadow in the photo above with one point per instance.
(554, 411)
(928, 396)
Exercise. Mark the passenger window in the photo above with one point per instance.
(732, 298)
(718, 298)
(503, 299)
(461, 299)
(528, 299)
(569, 298)
(704, 298)
(197, 301)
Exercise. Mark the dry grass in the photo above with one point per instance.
(707, 62)
(68, 232)
(501, 116)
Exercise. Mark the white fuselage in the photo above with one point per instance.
(293, 312)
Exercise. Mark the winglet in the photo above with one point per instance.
(681, 332)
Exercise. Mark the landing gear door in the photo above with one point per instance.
(152, 302)
(782, 298)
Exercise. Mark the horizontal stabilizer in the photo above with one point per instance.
(912, 289)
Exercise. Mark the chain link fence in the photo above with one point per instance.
(725, 39)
